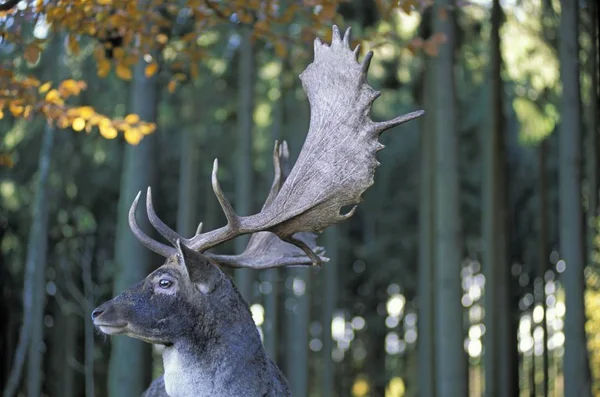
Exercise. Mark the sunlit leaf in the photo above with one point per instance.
(162, 38)
(151, 69)
(45, 87)
(132, 118)
(86, 112)
(73, 45)
(172, 86)
(103, 67)
(78, 124)
(132, 136)
(124, 72)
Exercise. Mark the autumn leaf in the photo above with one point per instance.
(78, 124)
(162, 38)
(103, 68)
(86, 112)
(45, 87)
(73, 45)
(172, 86)
(31, 53)
(132, 136)
(124, 72)
(69, 87)
(16, 109)
(151, 69)
(132, 118)
(108, 131)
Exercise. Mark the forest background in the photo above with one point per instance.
(471, 267)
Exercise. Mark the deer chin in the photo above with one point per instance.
(112, 329)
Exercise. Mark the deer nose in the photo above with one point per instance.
(97, 312)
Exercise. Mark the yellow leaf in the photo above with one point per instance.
(45, 87)
(103, 67)
(63, 122)
(147, 129)
(31, 53)
(78, 124)
(132, 136)
(69, 87)
(151, 69)
(124, 72)
(16, 109)
(104, 2)
(1, 114)
(172, 86)
(132, 118)
(86, 112)
(108, 131)
(162, 38)
(73, 45)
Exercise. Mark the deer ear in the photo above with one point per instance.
(201, 272)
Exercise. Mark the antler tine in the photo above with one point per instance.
(384, 125)
(230, 215)
(157, 223)
(348, 36)
(145, 240)
(277, 169)
(199, 228)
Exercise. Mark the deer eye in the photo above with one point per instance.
(164, 283)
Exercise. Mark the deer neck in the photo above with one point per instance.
(222, 363)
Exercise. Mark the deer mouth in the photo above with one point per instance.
(112, 329)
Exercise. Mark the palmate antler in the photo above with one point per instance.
(336, 165)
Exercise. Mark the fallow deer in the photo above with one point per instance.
(212, 346)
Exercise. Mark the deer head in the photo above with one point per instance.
(186, 291)
(336, 165)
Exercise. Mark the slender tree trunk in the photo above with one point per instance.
(36, 269)
(498, 346)
(31, 336)
(576, 369)
(426, 340)
(271, 276)
(88, 291)
(131, 359)
(592, 130)
(188, 179)
(543, 259)
(298, 279)
(243, 177)
(330, 281)
(451, 369)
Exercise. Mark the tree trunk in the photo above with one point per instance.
(298, 279)
(451, 372)
(188, 179)
(243, 176)
(329, 294)
(37, 269)
(576, 369)
(271, 276)
(543, 260)
(592, 130)
(495, 264)
(30, 343)
(131, 359)
(426, 340)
